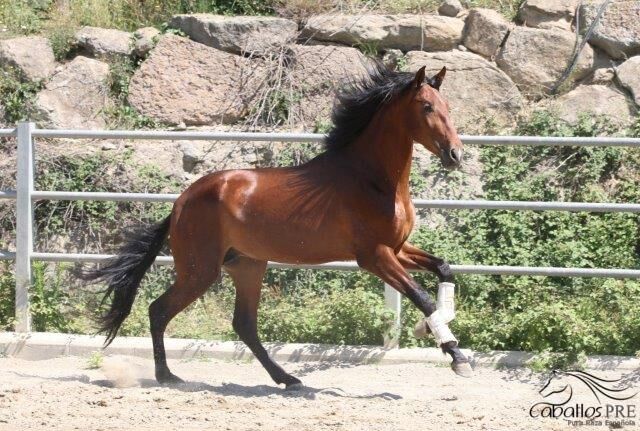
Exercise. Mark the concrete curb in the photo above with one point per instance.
(45, 345)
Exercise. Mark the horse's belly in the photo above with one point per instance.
(287, 231)
(292, 244)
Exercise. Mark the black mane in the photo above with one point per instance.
(358, 101)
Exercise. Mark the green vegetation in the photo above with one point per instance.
(16, 96)
(55, 17)
(33, 16)
(121, 114)
(273, 108)
(561, 318)
(7, 295)
(23, 16)
(61, 38)
(95, 360)
(370, 49)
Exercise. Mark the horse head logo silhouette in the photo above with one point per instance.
(560, 384)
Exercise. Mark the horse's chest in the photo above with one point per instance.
(382, 218)
(396, 223)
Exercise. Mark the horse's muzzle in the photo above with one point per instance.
(451, 158)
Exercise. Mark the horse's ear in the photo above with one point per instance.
(419, 79)
(436, 81)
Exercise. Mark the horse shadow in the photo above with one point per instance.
(224, 389)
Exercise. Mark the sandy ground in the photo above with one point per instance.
(62, 393)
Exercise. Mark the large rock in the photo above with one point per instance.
(618, 32)
(183, 81)
(474, 87)
(32, 56)
(237, 34)
(629, 76)
(144, 40)
(450, 8)
(557, 14)
(75, 96)
(485, 31)
(602, 75)
(104, 42)
(315, 74)
(595, 100)
(535, 59)
(405, 32)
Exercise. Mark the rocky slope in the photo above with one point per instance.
(267, 73)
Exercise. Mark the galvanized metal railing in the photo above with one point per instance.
(25, 195)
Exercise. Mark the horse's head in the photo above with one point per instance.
(556, 384)
(430, 123)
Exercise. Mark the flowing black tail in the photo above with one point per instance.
(123, 274)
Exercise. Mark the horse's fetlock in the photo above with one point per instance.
(444, 272)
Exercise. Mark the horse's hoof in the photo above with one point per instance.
(421, 330)
(169, 379)
(294, 386)
(463, 369)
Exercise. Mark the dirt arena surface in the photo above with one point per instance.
(62, 393)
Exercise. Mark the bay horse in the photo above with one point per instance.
(351, 202)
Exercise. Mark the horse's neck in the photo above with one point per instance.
(385, 149)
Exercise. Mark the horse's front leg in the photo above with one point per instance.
(412, 258)
(384, 263)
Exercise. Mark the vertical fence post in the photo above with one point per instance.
(393, 301)
(24, 222)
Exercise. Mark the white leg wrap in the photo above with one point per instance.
(446, 301)
(439, 328)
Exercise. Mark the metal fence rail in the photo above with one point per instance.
(352, 266)
(418, 203)
(26, 195)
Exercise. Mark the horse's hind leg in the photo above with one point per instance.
(247, 277)
(193, 278)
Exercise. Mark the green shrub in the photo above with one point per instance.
(121, 114)
(634, 130)
(296, 154)
(62, 40)
(7, 295)
(95, 361)
(16, 96)
(90, 221)
(48, 299)
(274, 108)
(351, 316)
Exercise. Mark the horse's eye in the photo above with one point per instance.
(428, 108)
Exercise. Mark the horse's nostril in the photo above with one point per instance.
(455, 154)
